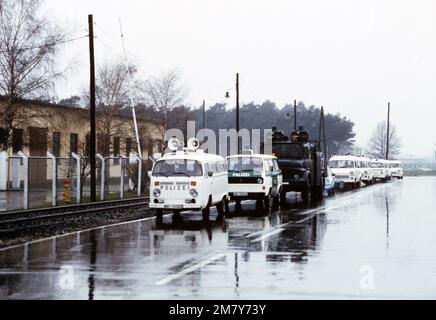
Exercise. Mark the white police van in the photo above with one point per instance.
(381, 170)
(254, 177)
(188, 179)
(396, 169)
(346, 170)
(366, 170)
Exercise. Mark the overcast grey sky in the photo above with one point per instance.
(350, 56)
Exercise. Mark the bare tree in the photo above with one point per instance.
(112, 96)
(377, 144)
(164, 93)
(29, 43)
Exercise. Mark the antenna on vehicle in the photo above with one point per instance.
(130, 92)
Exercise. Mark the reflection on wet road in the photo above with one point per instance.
(379, 242)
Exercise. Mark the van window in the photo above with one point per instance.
(245, 164)
(183, 167)
(276, 165)
(340, 164)
(377, 165)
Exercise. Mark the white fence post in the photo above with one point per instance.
(3, 171)
(122, 178)
(26, 179)
(77, 158)
(138, 158)
(54, 194)
(103, 169)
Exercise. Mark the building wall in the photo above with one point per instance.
(69, 120)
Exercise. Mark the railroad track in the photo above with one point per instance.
(14, 222)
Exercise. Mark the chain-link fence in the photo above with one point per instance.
(34, 182)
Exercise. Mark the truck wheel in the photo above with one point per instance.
(159, 216)
(276, 201)
(268, 201)
(226, 206)
(206, 211)
(220, 207)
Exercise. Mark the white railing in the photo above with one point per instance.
(19, 165)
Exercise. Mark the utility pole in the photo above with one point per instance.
(295, 115)
(204, 114)
(92, 143)
(237, 111)
(324, 140)
(388, 131)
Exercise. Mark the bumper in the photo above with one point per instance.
(348, 180)
(296, 186)
(247, 196)
(184, 206)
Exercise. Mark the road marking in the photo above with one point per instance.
(190, 269)
(270, 234)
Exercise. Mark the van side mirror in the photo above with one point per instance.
(149, 174)
(210, 174)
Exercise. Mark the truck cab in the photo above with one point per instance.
(301, 163)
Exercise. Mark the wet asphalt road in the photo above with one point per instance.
(378, 242)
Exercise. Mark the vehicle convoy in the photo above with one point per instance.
(301, 163)
(254, 177)
(381, 169)
(366, 170)
(346, 170)
(396, 169)
(188, 179)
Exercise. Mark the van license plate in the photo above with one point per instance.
(174, 206)
(241, 194)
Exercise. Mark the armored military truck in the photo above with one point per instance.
(301, 162)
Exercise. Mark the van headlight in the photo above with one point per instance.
(260, 181)
(352, 173)
(193, 193)
(157, 193)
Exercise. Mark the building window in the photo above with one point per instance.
(74, 137)
(128, 146)
(17, 140)
(57, 144)
(116, 150)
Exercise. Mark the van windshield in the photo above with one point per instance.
(340, 164)
(183, 167)
(245, 164)
(377, 165)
